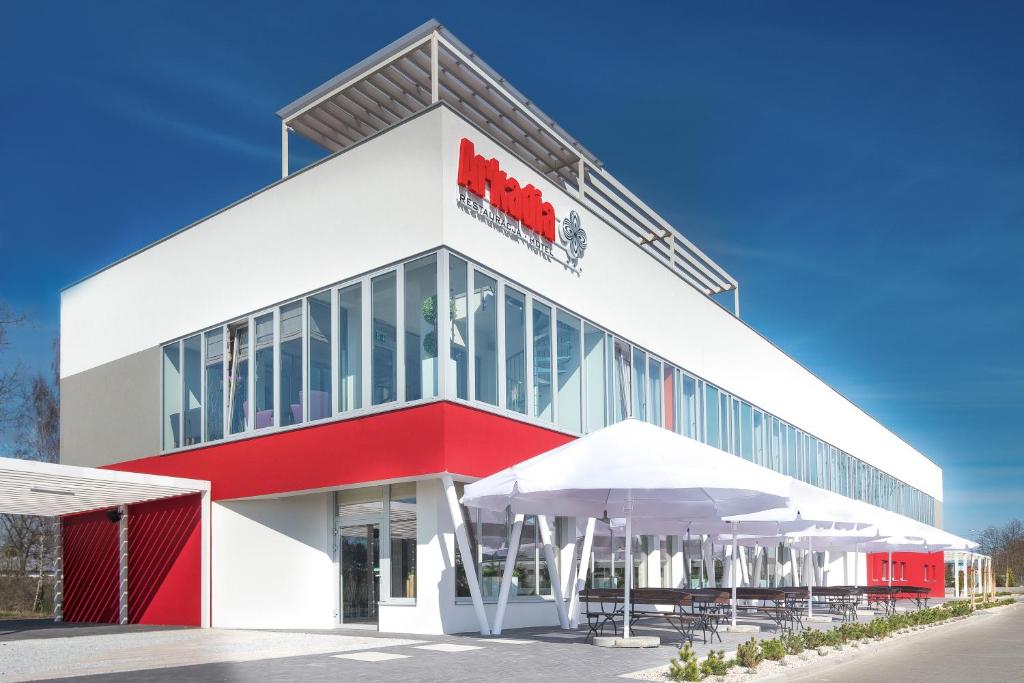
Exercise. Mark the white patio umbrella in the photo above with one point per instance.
(635, 469)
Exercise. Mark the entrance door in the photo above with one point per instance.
(360, 573)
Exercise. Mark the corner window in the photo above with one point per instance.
(291, 364)
(263, 393)
(485, 338)
(385, 351)
(214, 398)
(350, 347)
(458, 361)
(171, 418)
(421, 328)
(542, 361)
(402, 525)
(318, 331)
(570, 380)
(515, 350)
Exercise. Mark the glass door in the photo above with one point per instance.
(360, 573)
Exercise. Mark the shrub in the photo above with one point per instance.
(793, 642)
(715, 664)
(749, 654)
(813, 638)
(773, 649)
(878, 628)
(833, 638)
(685, 668)
(853, 631)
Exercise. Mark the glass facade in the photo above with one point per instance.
(508, 350)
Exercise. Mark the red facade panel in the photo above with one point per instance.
(427, 439)
(165, 562)
(89, 546)
(927, 570)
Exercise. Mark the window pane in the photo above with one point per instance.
(238, 377)
(711, 413)
(622, 377)
(570, 381)
(458, 365)
(319, 330)
(485, 338)
(654, 379)
(746, 432)
(492, 535)
(192, 390)
(594, 363)
(791, 455)
(541, 361)
(291, 363)
(403, 540)
(689, 407)
(639, 384)
(421, 328)
(723, 420)
(759, 438)
(215, 384)
(669, 393)
(172, 396)
(350, 347)
(384, 375)
(264, 380)
(515, 350)
(531, 566)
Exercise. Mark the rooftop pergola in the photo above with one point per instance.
(428, 66)
(46, 489)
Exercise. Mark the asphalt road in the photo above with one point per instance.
(987, 647)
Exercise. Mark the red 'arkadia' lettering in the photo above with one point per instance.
(525, 204)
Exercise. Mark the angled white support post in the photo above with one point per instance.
(707, 551)
(826, 559)
(810, 575)
(732, 574)
(581, 577)
(468, 561)
(507, 573)
(553, 575)
(759, 554)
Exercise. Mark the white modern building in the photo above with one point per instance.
(458, 286)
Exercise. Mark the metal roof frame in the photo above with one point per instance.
(28, 487)
(430, 65)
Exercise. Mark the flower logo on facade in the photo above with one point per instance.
(574, 236)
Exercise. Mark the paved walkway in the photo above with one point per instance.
(987, 647)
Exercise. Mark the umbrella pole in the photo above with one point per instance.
(733, 573)
(629, 563)
(810, 591)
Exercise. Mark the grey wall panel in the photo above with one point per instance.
(111, 413)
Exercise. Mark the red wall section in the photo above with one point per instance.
(926, 570)
(427, 439)
(165, 562)
(90, 555)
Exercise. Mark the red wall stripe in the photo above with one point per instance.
(910, 570)
(89, 545)
(435, 437)
(165, 562)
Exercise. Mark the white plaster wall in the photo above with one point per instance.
(272, 564)
(371, 206)
(625, 290)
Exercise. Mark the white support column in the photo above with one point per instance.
(205, 518)
(284, 150)
(678, 561)
(793, 566)
(58, 576)
(468, 563)
(580, 571)
(956, 575)
(122, 554)
(826, 558)
(507, 573)
(433, 68)
(744, 567)
(553, 574)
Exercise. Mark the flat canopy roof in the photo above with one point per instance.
(28, 487)
(430, 65)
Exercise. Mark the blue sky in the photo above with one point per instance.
(858, 166)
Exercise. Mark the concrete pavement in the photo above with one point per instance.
(987, 647)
